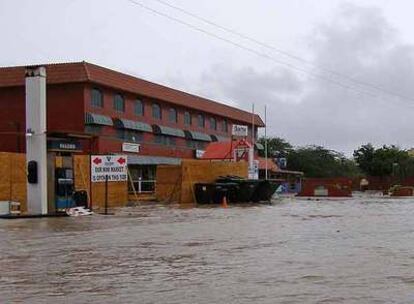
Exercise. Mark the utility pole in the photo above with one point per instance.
(251, 150)
(266, 167)
(36, 149)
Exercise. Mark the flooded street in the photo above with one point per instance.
(294, 251)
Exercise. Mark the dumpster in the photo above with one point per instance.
(265, 190)
(203, 193)
(210, 193)
(246, 187)
(232, 192)
(219, 192)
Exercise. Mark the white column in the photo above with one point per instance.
(36, 146)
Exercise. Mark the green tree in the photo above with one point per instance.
(317, 161)
(275, 146)
(384, 161)
(364, 157)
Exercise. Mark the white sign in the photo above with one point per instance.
(112, 166)
(320, 191)
(254, 171)
(239, 131)
(199, 153)
(129, 147)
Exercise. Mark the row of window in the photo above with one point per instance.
(138, 137)
(119, 106)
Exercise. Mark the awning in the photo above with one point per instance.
(219, 138)
(132, 125)
(259, 146)
(194, 135)
(152, 160)
(168, 131)
(97, 119)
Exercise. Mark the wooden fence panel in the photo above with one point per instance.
(168, 186)
(13, 178)
(176, 183)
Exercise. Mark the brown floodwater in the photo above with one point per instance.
(293, 251)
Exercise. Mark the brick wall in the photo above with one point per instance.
(64, 113)
(66, 107)
(335, 187)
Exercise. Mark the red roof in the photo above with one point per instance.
(223, 149)
(87, 72)
(271, 165)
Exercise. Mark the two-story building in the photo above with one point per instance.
(95, 110)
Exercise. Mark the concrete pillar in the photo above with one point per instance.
(36, 146)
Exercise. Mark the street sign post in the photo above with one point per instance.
(108, 168)
(113, 167)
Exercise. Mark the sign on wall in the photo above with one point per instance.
(63, 145)
(113, 166)
(130, 147)
(254, 171)
(239, 131)
(199, 153)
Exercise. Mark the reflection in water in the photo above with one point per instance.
(353, 251)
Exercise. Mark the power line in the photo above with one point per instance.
(283, 52)
(253, 51)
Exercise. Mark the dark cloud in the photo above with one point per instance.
(247, 85)
(359, 43)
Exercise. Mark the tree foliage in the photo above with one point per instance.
(314, 161)
(317, 161)
(384, 161)
(276, 147)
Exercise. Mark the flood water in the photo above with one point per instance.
(294, 251)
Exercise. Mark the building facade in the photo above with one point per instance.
(95, 110)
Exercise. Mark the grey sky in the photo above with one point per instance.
(370, 40)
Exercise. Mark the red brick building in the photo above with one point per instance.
(92, 109)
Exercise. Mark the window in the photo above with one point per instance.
(93, 129)
(96, 98)
(213, 123)
(119, 103)
(130, 135)
(224, 126)
(139, 108)
(193, 144)
(187, 118)
(156, 111)
(200, 120)
(171, 141)
(165, 140)
(172, 116)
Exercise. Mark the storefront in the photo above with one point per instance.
(143, 170)
(61, 169)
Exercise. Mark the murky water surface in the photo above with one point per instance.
(353, 251)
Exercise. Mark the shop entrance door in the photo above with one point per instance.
(64, 182)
